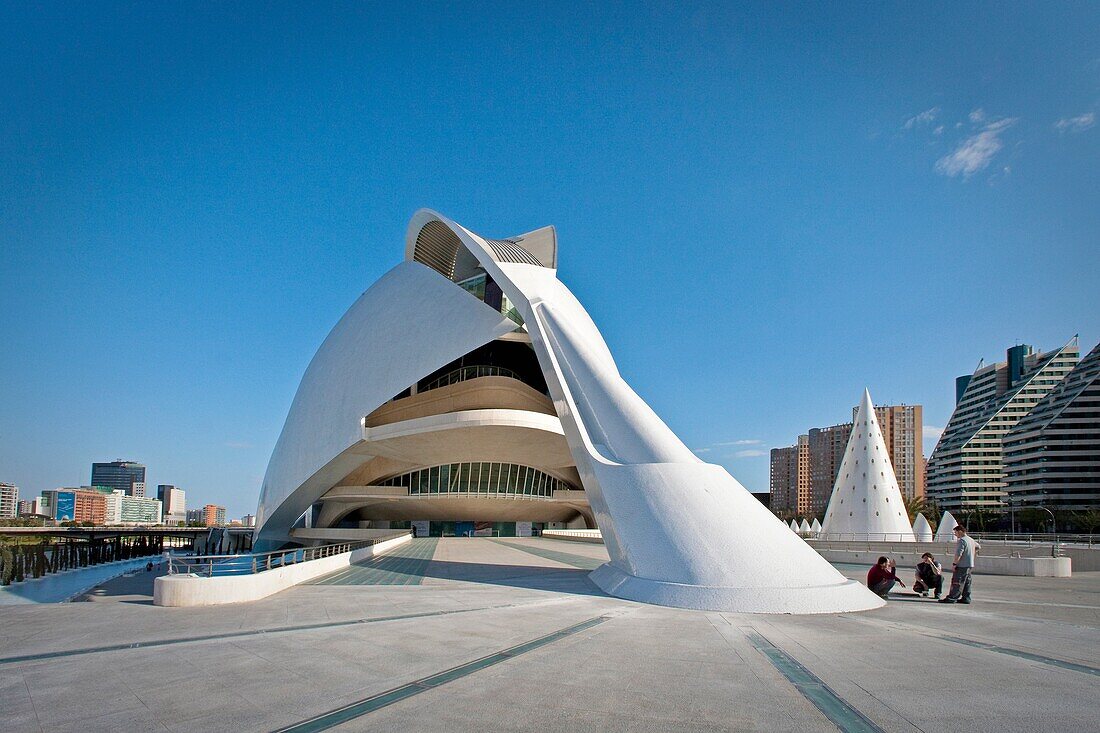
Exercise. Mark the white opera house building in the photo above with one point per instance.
(468, 392)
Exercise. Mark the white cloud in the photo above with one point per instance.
(931, 434)
(924, 118)
(1080, 123)
(938, 130)
(700, 450)
(976, 151)
(752, 453)
(977, 116)
(237, 444)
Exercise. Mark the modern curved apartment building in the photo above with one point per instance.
(469, 390)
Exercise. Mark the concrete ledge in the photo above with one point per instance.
(194, 590)
(1032, 567)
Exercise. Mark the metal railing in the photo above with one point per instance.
(469, 372)
(250, 563)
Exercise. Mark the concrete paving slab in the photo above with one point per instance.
(312, 649)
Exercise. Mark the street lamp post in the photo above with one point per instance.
(1053, 523)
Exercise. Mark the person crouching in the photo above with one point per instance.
(881, 577)
(929, 576)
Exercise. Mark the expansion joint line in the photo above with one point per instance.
(389, 697)
(259, 632)
(832, 706)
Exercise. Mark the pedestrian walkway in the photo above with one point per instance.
(504, 634)
(404, 565)
(566, 558)
(60, 587)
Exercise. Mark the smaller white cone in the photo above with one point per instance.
(794, 526)
(946, 532)
(922, 530)
(804, 528)
(815, 527)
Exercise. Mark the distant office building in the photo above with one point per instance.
(25, 508)
(1052, 455)
(172, 499)
(826, 447)
(9, 500)
(196, 516)
(127, 476)
(248, 520)
(140, 510)
(213, 515)
(790, 479)
(966, 470)
(83, 504)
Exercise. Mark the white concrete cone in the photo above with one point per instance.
(946, 531)
(866, 501)
(922, 530)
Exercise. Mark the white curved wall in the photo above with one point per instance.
(408, 324)
(679, 531)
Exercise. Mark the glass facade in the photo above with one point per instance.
(480, 285)
(122, 475)
(479, 478)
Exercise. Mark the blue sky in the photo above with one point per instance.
(765, 209)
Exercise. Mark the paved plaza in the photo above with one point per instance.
(509, 634)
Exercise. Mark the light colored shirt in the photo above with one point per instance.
(965, 550)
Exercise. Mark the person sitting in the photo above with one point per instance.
(881, 577)
(929, 576)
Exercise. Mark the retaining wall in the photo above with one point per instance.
(195, 590)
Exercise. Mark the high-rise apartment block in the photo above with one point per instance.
(826, 452)
(173, 500)
(902, 427)
(9, 500)
(213, 515)
(790, 479)
(966, 470)
(127, 476)
(26, 508)
(1052, 455)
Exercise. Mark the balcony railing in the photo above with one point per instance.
(468, 372)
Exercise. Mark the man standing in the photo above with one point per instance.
(962, 568)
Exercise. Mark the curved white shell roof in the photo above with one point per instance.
(922, 530)
(946, 530)
(665, 516)
(866, 501)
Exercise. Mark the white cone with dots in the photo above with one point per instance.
(866, 502)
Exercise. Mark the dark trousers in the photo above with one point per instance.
(960, 584)
(882, 587)
(934, 584)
